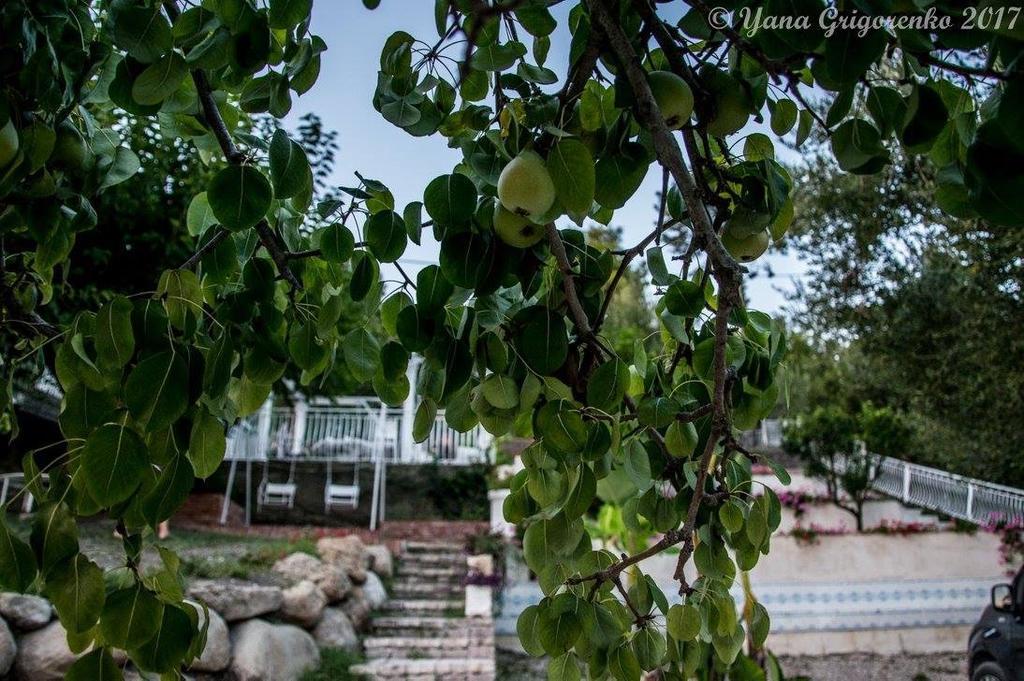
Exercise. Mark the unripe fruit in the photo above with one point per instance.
(525, 186)
(731, 103)
(746, 221)
(516, 230)
(783, 220)
(8, 143)
(673, 97)
(746, 248)
(70, 150)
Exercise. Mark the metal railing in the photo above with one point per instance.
(976, 501)
(329, 433)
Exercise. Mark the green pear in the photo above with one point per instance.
(731, 102)
(673, 97)
(782, 221)
(746, 248)
(9, 143)
(525, 186)
(69, 151)
(516, 230)
(746, 221)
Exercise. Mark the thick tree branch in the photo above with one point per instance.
(665, 145)
(725, 269)
(213, 119)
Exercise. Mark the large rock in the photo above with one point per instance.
(217, 654)
(271, 652)
(236, 599)
(43, 654)
(335, 630)
(333, 580)
(348, 553)
(357, 608)
(381, 561)
(303, 603)
(25, 612)
(8, 648)
(374, 592)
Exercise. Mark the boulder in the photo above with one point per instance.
(348, 553)
(8, 648)
(381, 560)
(374, 592)
(236, 599)
(335, 630)
(217, 654)
(357, 608)
(43, 654)
(303, 603)
(332, 579)
(271, 652)
(25, 612)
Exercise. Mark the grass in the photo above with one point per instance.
(203, 554)
(259, 556)
(334, 666)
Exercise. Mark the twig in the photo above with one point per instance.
(211, 116)
(579, 316)
(214, 241)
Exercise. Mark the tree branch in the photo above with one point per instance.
(579, 316)
(212, 118)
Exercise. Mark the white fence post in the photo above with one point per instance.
(970, 500)
(906, 482)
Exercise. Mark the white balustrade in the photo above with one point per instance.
(954, 495)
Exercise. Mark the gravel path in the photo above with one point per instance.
(853, 667)
(870, 667)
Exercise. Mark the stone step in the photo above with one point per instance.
(439, 607)
(461, 647)
(433, 627)
(432, 561)
(417, 580)
(427, 591)
(483, 669)
(432, 547)
(423, 572)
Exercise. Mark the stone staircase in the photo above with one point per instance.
(422, 633)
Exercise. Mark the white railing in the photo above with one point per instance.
(329, 433)
(954, 495)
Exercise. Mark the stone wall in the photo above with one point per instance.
(257, 632)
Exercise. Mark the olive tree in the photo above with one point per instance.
(509, 320)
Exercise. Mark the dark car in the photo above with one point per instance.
(996, 648)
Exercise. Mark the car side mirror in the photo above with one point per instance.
(1002, 598)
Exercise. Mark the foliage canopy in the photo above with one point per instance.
(510, 327)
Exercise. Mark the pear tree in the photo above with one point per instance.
(508, 320)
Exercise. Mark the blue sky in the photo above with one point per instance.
(377, 149)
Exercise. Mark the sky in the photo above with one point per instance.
(377, 149)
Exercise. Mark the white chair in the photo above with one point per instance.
(336, 495)
(278, 494)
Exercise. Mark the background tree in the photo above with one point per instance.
(509, 321)
(911, 308)
(843, 449)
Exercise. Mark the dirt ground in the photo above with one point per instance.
(853, 667)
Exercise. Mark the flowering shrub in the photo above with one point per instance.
(903, 528)
(1011, 540)
(798, 500)
(809, 534)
